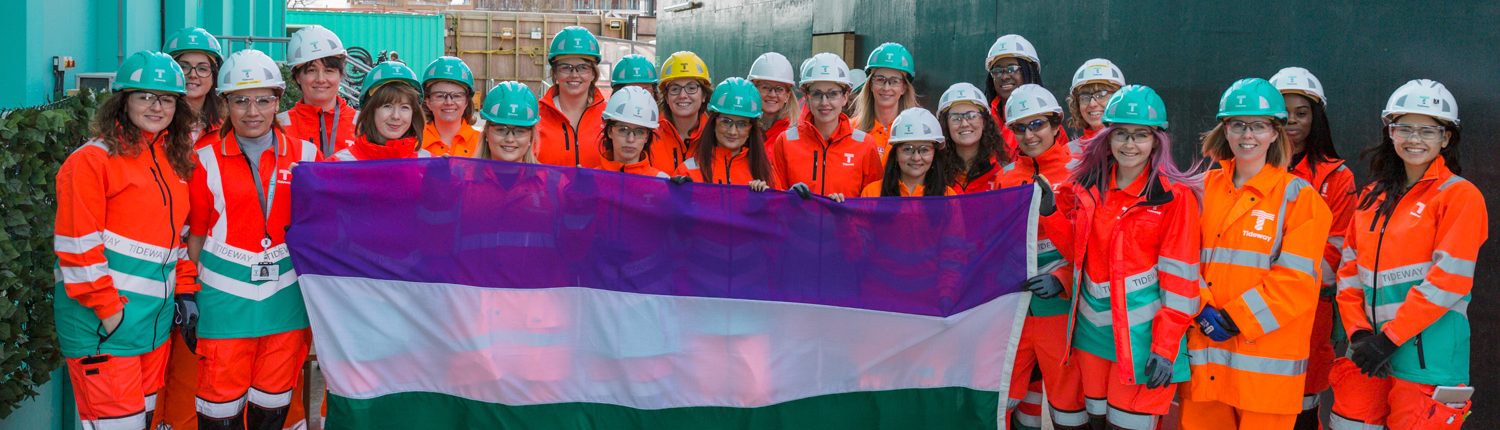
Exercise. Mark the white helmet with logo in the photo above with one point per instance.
(962, 92)
(1422, 96)
(772, 67)
(311, 43)
(825, 67)
(1011, 45)
(1100, 71)
(916, 125)
(632, 105)
(247, 69)
(1297, 80)
(1028, 100)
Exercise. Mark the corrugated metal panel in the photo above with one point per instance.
(418, 38)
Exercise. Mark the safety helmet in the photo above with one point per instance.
(684, 64)
(247, 69)
(386, 72)
(632, 105)
(1297, 80)
(893, 56)
(825, 67)
(510, 103)
(736, 96)
(1136, 104)
(1011, 45)
(193, 39)
(772, 67)
(311, 43)
(634, 69)
(1252, 97)
(962, 92)
(150, 70)
(1097, 70)
(916, 125)
(573, 40)
(449, 69)
(1422, 96)
(1028, 100)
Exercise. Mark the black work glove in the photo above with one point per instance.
(1158, 371)
(1048, 204)
(1044, 286)
(801, 190)
(186, 318)
(679, 180)
(1372, 352)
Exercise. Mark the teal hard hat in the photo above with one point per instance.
(633, 69)
(893, 56)
(449, 69)
(193, 39)
(150, 70)
(574, 40)
(1252, 97)
(510, 103)
(736, 96)
(386, 72)
(1136, 104)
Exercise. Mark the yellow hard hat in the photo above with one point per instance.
(684, 64)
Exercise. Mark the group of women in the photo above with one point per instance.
(1235, 282)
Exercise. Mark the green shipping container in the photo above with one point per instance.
(417, 38)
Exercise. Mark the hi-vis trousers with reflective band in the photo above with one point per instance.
(117, 392)
(1125, 406)
(1364, 403)
(1213, 415)
(1044, 345)
(260, 371)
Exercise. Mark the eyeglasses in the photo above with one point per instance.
(573, 69)
(1253, 127)
(446, 97)
(150, 99)
(772, 90)
(999, 71)
(825, 95)
(689, 89)
(1087, 98)
(1121, 136)
(1425, 133)
(881, 81)
(631, 132)
(737, 124)
(199, 70)
(243, 103)
(960, 118)
(511, 132)
(920, 150)
(1034, 126)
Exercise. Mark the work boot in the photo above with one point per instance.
(259, 418)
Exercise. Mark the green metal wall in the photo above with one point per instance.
(417, 38)
(1189, 52)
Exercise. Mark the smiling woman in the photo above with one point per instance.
(390, 122)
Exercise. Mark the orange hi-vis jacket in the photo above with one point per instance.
(465, 143)
(844, 163)
(728, 168)
(243, 226)
(880, 136)
(984, 182)
(1417, 291)
(1135, 257)
(1261, 244)
(1052, 164)
(1076, 146)
(362, 149)
(1335, 183)
(331, 131)
(777, 128)
(643, 168)
(669, 151)
(873, 190)
(118, 240)
(562, 144)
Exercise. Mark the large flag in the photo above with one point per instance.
(459, 293)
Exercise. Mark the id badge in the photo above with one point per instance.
(264, 271)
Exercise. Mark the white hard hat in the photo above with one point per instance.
(962, 92)
(311, 43)
(1011, 45)
(1422, 96)
(247, 69)
(1297, 80)
(772, 67)
(916, 125)
(1028, 100)
(632, 105)
(825, 67)
(1099, 71)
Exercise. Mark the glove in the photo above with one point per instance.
(1216, 325)
(1044, 286)
(1159, 371)
(1372, 353)
(679, 180)
(1048, 204)
(801, 190)
(186, 318)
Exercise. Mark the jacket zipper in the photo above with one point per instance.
(1421, 354)
(815, 166)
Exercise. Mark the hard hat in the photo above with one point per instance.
(772, 67)
(1099, 71)
(311, 43)
(247, 69)
(510, 103)
(386, 72)
(1252, 97)
(632, 105)
(193, 39)
(962, 92)
(449, 69)
(1028, 100)
(634, 69)
(916, 125)
(150, 70)
(1136, 104)
(1011, 45)
(825, 67)
(574, 40)
(1422, 96)
(684, 64)
(736, 96)
(891, 56)
(1297, 80)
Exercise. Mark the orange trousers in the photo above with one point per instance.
(1044, 346)
(117, 391)
(1126, 406)
(1213, 415)
(259, 370)
(1361, 401)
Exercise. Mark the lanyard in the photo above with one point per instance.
(264, 199)
(327, 134)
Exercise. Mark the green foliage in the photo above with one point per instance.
(33, 144)
(293, 92)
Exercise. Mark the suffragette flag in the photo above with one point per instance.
(461, 293)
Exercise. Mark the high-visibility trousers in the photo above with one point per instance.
(260, 370)
(117, 391)
(1212, 415)
(1126, 406)
(1044, 346)
(1362, 402)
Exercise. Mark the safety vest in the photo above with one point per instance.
(559, 142)
(1053, 165)
(728, 168)
(362, 149)
(331, 131)
(244, 233)
(465, 143)
(669, 150)
(1416, 289)
(1261, 244)
(118, 240)
(844, 163)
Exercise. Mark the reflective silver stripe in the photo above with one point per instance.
(284, 118)
(151, 402)
(1453, 265)
(1140, 281)
(1396, 275)
(1248, 363)
(1032, 397)
(95, 143)
(1096, 407)
(221, 410)
(1142, 314)
(1310, 401)
(132, 422)
(1131, 420)
(1336, 241)
(1098, 290)
(1178, 268)
(858, 135)
(1028, 420)
(791, 133)
(1336, 422)
(1326, 270)
(1073, 164)
(1451, 180)
(1011, 403)
(1069, 418)
(1135, 316)
(77, 275)
(309, 151)
(1262, 312)
(422, 153)
(1179, 302)
(77, 245)
(1438, 296)
(269, 400)
(1008, 167)
(1237, 257)
(691, 163)
(1097, 318)
(1298, 263)
(344, 155)
(1349, 283)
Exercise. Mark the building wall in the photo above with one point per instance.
(418, 38)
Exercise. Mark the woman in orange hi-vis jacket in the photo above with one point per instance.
(1128, 220)
(1035, 117)
(684, 110)
(732, 149)
(1405, 303)
(1263, 233)
(1316, 161)
(448, 86)
(773, 77)
(1093, 84)
(123, 275)
(887, 92)
(1012, 61)
(824, 154)
(629, 123)
(972, 157)
(390, 125)
(913, 170)
(322, 117)
(570, 128)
